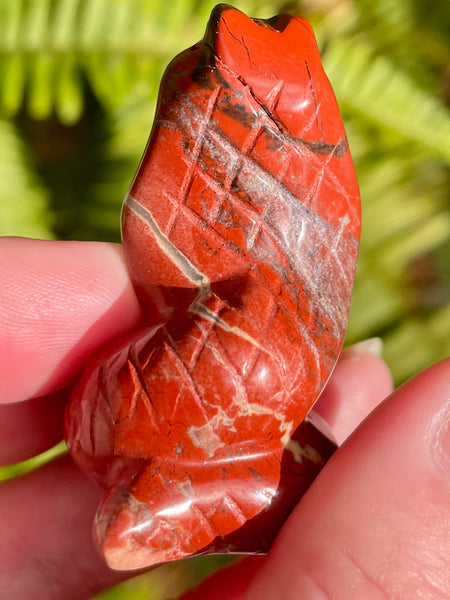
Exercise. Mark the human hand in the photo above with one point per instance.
(375, 524)
(58, 302)
(63, 300)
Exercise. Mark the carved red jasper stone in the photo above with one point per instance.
(241, 233)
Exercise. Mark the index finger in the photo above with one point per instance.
(58, 302)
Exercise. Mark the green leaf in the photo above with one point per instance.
(69, 96)
(40, 97)
(374, 87)
(13, 83)
(23, 201)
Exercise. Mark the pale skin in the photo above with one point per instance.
(375, 524)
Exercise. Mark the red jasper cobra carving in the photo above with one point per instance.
(241, 233)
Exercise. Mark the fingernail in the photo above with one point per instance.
(439, 438)
(370, 346)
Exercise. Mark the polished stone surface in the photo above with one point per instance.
(241, 232)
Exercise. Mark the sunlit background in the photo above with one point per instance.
(78, 84)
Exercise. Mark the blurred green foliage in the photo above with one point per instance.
(78, 85)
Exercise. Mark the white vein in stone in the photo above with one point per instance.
(180, 260)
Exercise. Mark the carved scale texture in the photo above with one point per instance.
(241, 233)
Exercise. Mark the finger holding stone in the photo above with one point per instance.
(375, 523)
(360, 381)
(58, 302)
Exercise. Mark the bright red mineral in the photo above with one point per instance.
(241, 232)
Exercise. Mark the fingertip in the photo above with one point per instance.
(376, 518)
(59, 301)
(46, 547)
(360, 381)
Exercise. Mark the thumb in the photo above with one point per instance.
(376, 522)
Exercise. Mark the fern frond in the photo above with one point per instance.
(47, 46)
(122, 46)
(403, 347)
(23, 201)
(405, 216)
(373, 87)
(414, 34)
